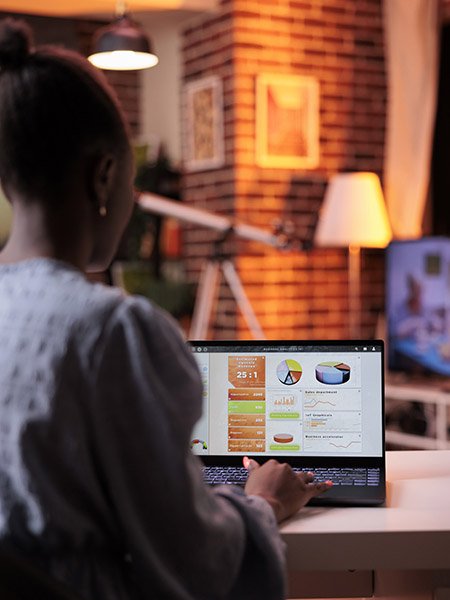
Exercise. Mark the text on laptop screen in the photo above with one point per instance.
(290, 400)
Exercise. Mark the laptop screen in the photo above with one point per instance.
(294, 399)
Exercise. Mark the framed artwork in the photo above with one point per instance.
(287, 121)
(203, 118)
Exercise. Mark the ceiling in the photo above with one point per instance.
(69, 8)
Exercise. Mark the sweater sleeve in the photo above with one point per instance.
(186, 541)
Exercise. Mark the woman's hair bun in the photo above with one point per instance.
(15, 43)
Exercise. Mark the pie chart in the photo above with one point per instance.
(332, 372)
(289, 371)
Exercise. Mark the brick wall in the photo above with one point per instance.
(209, 50)
(295, 294)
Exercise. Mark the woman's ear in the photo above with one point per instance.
(101, 181)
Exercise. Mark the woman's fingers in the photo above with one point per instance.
(249, 463)
(314, 487)
(284, 489)
(306, 477)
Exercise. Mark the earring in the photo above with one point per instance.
(102, 211)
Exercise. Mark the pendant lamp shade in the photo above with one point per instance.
(122, 46)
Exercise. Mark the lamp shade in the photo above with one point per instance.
(353, 213)
(122, 46)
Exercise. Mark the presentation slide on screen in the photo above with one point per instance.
(290, 404)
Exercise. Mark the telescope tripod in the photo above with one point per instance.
(207, 295)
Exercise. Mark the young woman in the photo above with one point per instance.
(98, 487)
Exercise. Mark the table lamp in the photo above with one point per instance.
(354, 215)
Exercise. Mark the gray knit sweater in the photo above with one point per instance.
(98, 487)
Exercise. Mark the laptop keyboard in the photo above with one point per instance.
(231, 475)
(344, 476)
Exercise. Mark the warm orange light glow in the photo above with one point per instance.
(106, 7)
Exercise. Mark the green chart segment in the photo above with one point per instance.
(289, 371)
(247, 408)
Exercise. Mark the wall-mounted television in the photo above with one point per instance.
(418, 305)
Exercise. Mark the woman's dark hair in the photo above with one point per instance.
(55, 109)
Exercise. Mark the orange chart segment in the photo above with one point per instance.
(247, 404)
(245, 394)
(246, 420)
(247, 371)
(246, 446)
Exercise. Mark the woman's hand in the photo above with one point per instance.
(285, 490)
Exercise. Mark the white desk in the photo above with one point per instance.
(385, 544)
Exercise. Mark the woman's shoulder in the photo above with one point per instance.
(57, 294)
(108, 309)
(115, 317)
(59, 299)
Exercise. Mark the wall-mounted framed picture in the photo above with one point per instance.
(287, 121)
(203, 124)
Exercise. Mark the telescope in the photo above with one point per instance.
(281, 237)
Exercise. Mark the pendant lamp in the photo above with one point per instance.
(122, 45)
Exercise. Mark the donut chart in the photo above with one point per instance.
(202, 443)
(289, 371)
(332, 372)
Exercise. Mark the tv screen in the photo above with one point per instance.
(418, 305)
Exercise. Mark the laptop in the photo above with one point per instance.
(317, 405)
